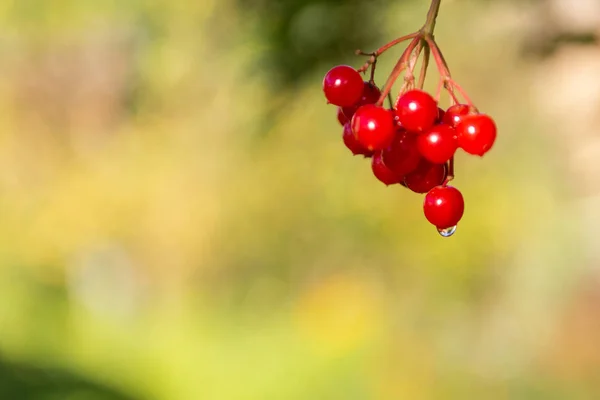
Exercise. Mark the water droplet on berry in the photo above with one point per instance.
(447, 232)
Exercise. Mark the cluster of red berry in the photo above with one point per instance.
(413, 142)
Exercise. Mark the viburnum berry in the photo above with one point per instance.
(343, 86)
(382, 172)
(402, 156)
(438, 144)
(416, 110)
(456, 113)
(476, 134)
(370, 95)
(341, 117)
(440, 116)
(427, 176)
(373, 126)
(352, 144)
(444, 206)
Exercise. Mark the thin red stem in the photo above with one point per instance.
(450, 91)
(439, 59)
(383, 49)
(398, 68)
(438, 91)
(449, 83)
(410, 72)
(424, 66)
(391, 44)
(450, 175)
(366, 65)
(372, 79)
(409, 76)
(462, 92)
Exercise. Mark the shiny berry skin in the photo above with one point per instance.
(343, 86)
(341, 117)
(438, 144)
(370, 95)
(352, 144)
(402, 156)
(444, 206)
(416, 110)
(456, 113)
(373, 126)
(425, 177)
(476, 134)
(382, 172)
(440, 116)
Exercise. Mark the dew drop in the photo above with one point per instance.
(447, 232)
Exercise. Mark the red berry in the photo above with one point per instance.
(402, 156)
(373, 126)
(352, 144)
(343, 85)
(425, 177)
(440, 116)
(456, 113)
(417, 111)
(343, 120)
(382, 172)
(370, 95)
(476, 134)
(438, 144)
(444, 206)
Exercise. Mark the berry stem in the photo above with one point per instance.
(438, 92)
(444, 83)
(372, 78)
(423, 73)
(410, 72)
(389, 45)
(439, 58)
(398, 68)
(448, 83)
(434, 8)
(427, 32)
(409, 76)
(462, 92)
(450, 175)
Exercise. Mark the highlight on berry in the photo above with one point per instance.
(412, 140)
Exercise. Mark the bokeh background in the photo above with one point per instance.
(179, 219)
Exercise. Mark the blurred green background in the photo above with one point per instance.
(179, 218)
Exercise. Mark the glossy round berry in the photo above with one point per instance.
(352, 144)
(343, 86)
(444, 206)
(373, 126)
(426, 177)
(402, 156)
(382, 172)
(341, 117)
(370, 95)
(476, 134)
(440, 116)
(438, 144)
(456, 113)
(417, 111)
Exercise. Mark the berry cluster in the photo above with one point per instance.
(413, 141)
